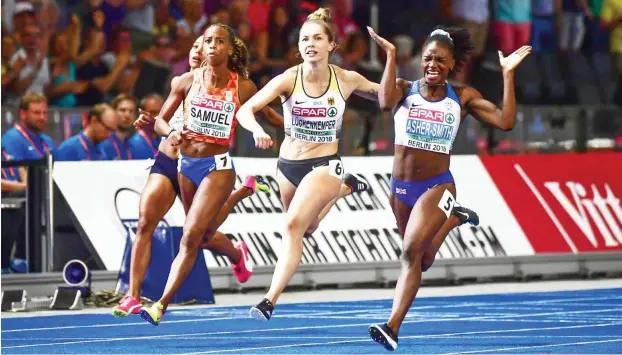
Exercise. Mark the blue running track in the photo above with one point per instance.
(576, 322)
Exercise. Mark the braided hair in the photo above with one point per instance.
(457, 39)
(238, 60)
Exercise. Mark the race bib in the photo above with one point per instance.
(211, 117)
(314, 124)
(335, 168)
(446, 203)
(429, 130)
(223, 161)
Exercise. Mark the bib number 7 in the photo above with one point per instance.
(223, 162)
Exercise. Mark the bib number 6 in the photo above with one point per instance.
(336, 168)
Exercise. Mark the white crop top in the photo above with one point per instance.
(428, 125)
(314, 119)
(177, 121)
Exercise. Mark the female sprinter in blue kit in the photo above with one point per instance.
(427, 116)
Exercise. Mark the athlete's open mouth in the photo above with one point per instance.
(431, 74)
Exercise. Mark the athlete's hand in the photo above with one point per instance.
(383, 43)
(262, 140)
(509, 63)
(175, 138)
(143, 119)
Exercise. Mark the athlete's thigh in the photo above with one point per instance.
(402, 214)
(286, 189)
(157, 197)
(315, 191)
(209, 198)
(428, 215)
(188, 189)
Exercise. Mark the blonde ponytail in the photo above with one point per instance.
(321, 14)
(322, 17)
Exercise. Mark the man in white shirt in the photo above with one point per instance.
(32, 65)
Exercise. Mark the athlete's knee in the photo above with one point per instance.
(144, 229)
(295, 226)
(409, 257)
(412, 253)
(192, 238)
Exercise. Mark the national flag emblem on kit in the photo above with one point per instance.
(331, 101)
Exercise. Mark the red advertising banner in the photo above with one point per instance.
(563, 202)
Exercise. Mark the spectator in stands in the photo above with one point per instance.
(221, 16)
(161, 51)
(114, 13)
(16, 17)
(408, 63)
(64, 60)
(597, 36)
(117, 146)
(9, 47)
(343, 20)
(572, 24)
(91, 16)
(245, 33)
(122, 47)
(194, 21)
(140, 21)
(189, 27)
(351, 52)
(272, 47)
(48, 16)
(13, 185)
(85, 145)
(97, 73)
(611, 19)
(31, 65)
(352, 44)
(260, 16)
(25, 140)
(164, 23)
(239, 10)
(474, 15)
(213, 6)
(511, 25)
(546, 15)
(144, 144)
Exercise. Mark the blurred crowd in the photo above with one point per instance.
(83, 52)
(80, 53)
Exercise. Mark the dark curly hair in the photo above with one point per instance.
(238, 60)
(459, 42)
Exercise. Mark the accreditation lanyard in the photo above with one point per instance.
(87, 149)
(27, 136)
